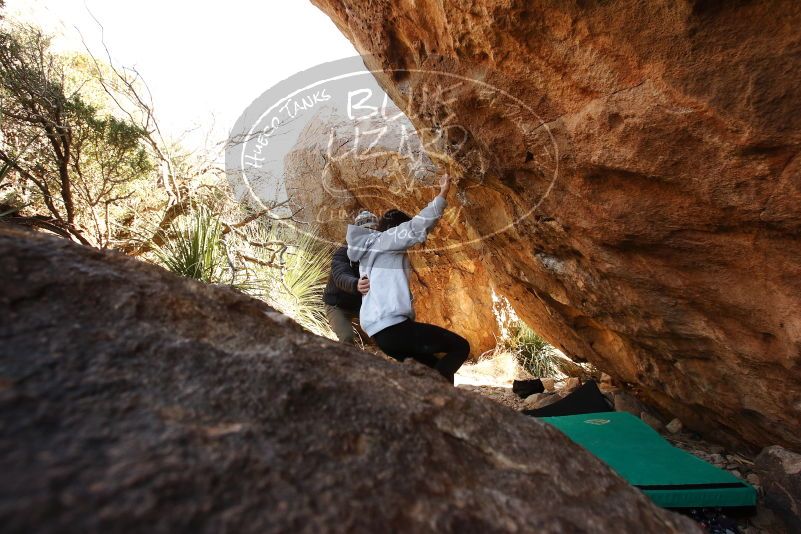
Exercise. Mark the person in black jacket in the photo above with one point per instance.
(344, 290)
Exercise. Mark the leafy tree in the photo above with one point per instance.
(82, 156)
(71, 159)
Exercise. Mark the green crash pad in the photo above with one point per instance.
(671, 477)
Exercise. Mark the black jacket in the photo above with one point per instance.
(341, 287)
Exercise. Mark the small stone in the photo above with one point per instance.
(548, 384)
(716, 459)
(625, 402)
(753, 479)
(531, 401)
(570, 384)
(674, 427)
(736, 473)
(539, 400)
(651, 421)
(606, 379)
(608, 388)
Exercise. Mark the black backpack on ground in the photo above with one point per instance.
(586, 399)
(524, 388)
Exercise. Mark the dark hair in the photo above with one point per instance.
(391, 219)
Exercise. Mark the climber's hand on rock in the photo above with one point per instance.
(444, 185)
(364, 285)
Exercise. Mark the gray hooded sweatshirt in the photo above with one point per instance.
(382, 258)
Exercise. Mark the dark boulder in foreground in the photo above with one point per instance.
(133, 400)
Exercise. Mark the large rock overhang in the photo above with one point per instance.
(668, 252)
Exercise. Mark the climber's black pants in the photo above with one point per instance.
(422, 342)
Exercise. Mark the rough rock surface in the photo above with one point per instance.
(332, 174)
(132, 400)
(780, 474)
(653, 148)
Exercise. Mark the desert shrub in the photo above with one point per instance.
(533, 353)
(287, 268)
(191, 246)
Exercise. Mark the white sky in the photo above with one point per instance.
(205, 62)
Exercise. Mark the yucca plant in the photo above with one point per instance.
(533, 353)
(304, 277)
(192, 246)
(288, 269)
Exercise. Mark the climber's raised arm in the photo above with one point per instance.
(414, 231)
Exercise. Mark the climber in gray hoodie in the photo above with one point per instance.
(387, 313)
